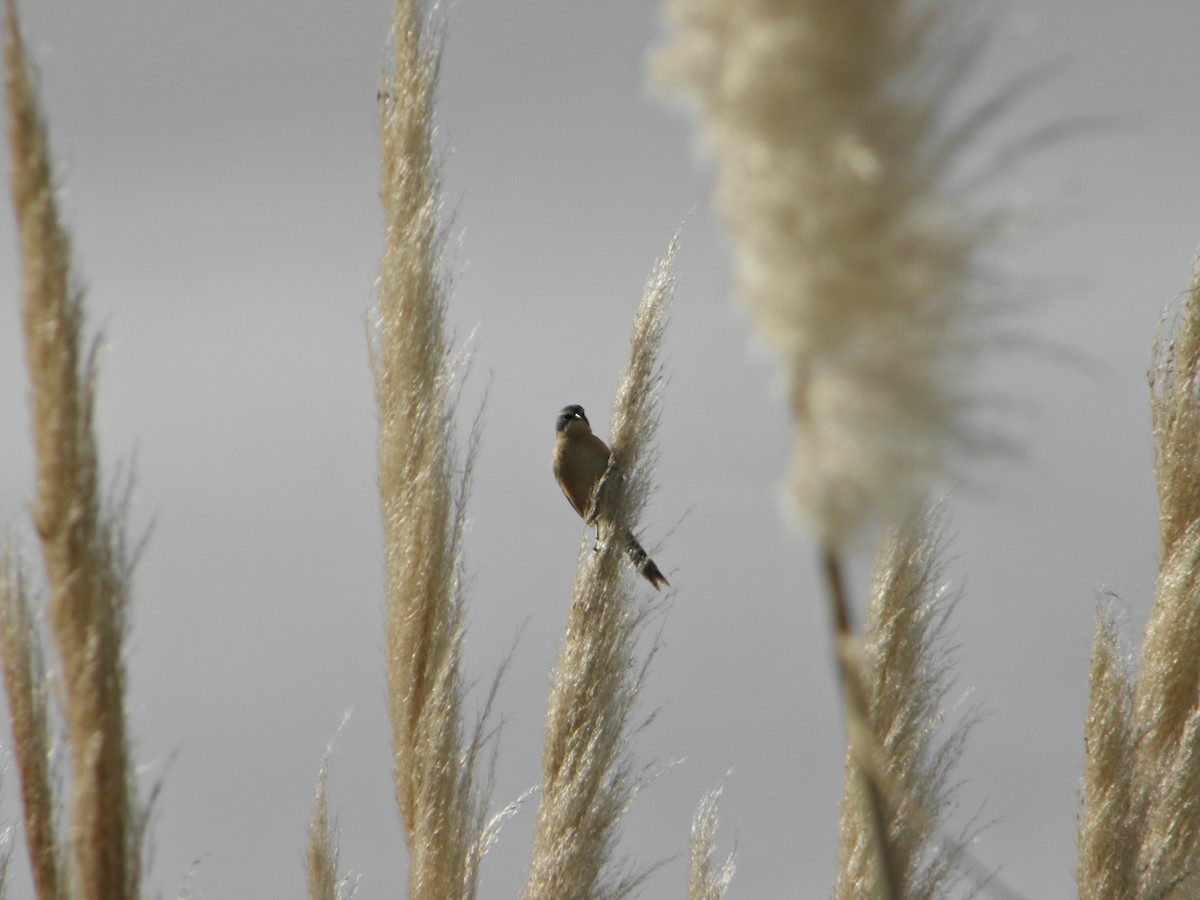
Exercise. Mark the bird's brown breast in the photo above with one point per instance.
(579, 461)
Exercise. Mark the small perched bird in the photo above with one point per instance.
(580, 460)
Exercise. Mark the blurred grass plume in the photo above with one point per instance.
(588, 777)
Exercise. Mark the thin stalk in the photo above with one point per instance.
(858, 721)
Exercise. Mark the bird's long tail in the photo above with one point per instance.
(643, 563)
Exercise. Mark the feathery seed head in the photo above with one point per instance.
(853, 262)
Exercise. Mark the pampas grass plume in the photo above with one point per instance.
(321, 859)
(852, 261)
(708, 880)
(587, 776)
(1139, 824)
(905, 676)
(423, 500)
(32, 739)
(82, 546)
(1109, 821)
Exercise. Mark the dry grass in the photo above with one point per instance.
(1139, 826)
(865, 771)
(854, 256)
(81, 547)
(32, 740)
(1166, 721)
(1109, 824)
(1170, 661)
(855, 265)
(855, 251)
(706, 879)
(905, 670)
(1166, 701)
(587, 776)
(1176, 421)
(422, 498)
(322, 857)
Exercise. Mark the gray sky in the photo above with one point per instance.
(219, 166)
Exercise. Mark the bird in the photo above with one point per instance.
(580, 461)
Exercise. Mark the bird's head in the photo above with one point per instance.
(572, 419)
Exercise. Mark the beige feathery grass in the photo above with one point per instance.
(1109, 825)
(1170, 660)
(1168, 864)
(854, 255)
(29, 716)
(706, 879)
(422, 500)
(1176, 421)
(1167, 694)
(636, 406)
(864, 765)
(587, 777)
(81, 548)
(322, 857)
(905, 678)
(1139, 828)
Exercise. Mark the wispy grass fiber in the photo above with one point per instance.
(32, 740)
(422, 496)
(588, 779)
(85, 565)
(708, 879)
(1170, 661)
(1110, 817)
(1139, 826)
(1167, 695)
(906, 678)
(854, 253)
(322, 856)
(835, 159)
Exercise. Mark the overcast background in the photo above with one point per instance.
(219, 166)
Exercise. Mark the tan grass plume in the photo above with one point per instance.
(853, 255)
(1139, 822)
(322, 856)
(1170, 660)
(1110, 818)
(588, 779)
(708, 880)
(1166, 699)
(855, 259)
(81, 546)
(905, 676)
(32, 740)
(423, 500)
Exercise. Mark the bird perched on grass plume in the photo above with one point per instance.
(580, 461)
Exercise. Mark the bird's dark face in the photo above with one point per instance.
(569, 414)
